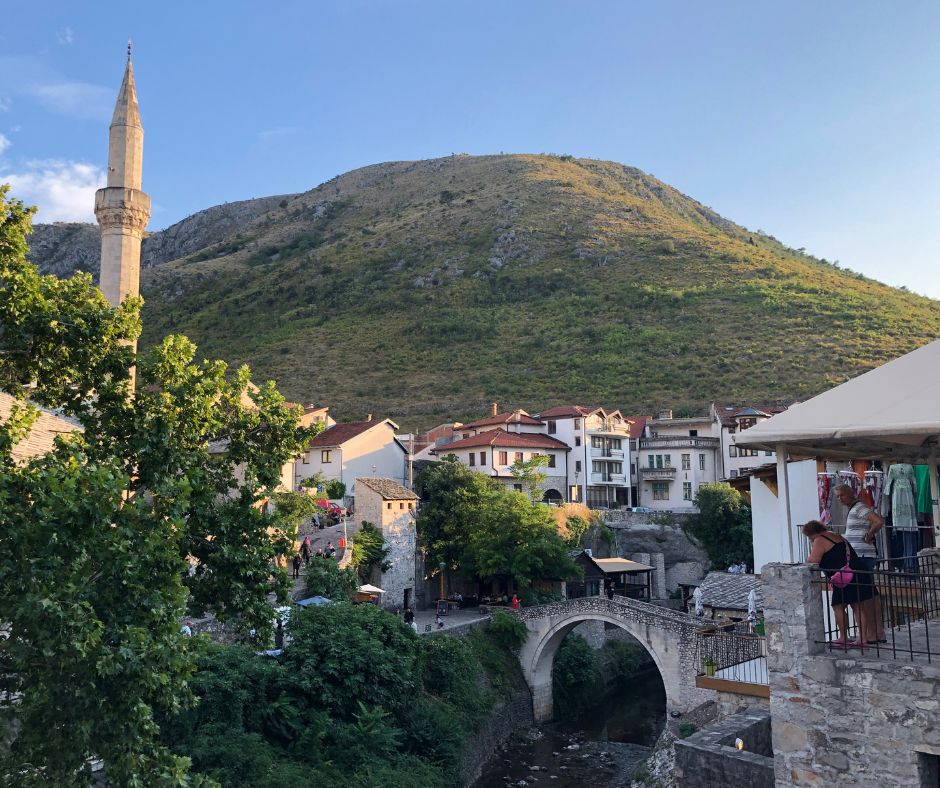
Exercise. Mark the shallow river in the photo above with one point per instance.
(598, 749)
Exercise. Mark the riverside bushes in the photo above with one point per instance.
(356, 699)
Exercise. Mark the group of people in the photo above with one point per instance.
(855, 552)
(306, 551)
(503, 599)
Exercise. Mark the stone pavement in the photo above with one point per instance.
(426, 618)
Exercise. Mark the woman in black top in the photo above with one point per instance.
(829, 552)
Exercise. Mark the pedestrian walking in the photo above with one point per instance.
(516, 604)
(305, 551)
(296, 564)
(330, 550)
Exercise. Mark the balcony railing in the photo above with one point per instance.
(679, 442)
(657, 474)
(902, 620)
(732, 658)
(608, 478)
(620, 429)
(598, 452)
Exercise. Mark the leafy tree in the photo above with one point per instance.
(294, 507)
(723, 525)
(531, 474)
(96, 537)
(323, 577)
(369, 551)
(516, 537)
(335, 489)
(576, 675)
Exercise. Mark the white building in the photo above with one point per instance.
(676, 457)
(740, 460)
(347, 452)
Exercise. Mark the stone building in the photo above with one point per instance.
(393, 508)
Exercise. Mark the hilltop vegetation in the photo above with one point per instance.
(424, 290)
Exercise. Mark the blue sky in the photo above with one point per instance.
(818, 123)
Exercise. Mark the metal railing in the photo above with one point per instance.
(732, 652)
(898, 617)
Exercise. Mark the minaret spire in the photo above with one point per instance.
(121, 208)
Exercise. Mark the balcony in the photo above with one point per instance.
(679, 442)
(608, 478)
(734, 661)
(600, 453)
(618, 429)
(657, 474)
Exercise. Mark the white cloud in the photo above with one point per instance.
(4, 143)
(64, 191)
(77, 99)
(66, 35)
(5, 103)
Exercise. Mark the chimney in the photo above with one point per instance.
(494, 409)
(369, 417)
(665, 414)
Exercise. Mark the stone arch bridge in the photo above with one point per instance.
(668, 635)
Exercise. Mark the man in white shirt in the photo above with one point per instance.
(861, 525)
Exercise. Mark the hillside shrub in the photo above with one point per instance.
(335, 489)
(508, 631)
(576, 676)
(723, 525)
(369, 551)
(324, 578)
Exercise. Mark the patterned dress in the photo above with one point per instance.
(899, 487)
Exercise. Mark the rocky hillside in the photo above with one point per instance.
(424, 290)
(64, 247)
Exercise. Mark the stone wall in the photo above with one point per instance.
(511, 715)
(684, 572)
(709, 757)
(841, 718)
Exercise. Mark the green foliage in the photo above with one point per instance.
(577, 528)
(508, 631)
(576, 676)
(686, 729)
(323, 577)
(96, 534)
(368, 705)
(622, 660)
(294, 507)
(335, 489)
(369, 551)
(531, 474)
(723, 525)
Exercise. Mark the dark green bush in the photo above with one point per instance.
(576, 676)
(508, 631)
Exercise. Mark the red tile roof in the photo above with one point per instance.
(499, 437)
(504, 418)
(727, 412)
(637, 425)
(338, 434)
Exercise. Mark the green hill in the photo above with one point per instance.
(424, 290)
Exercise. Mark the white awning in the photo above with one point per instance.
(370, 589)
(891, 412)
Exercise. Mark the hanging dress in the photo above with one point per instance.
(899, 487)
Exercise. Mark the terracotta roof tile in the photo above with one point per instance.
(499, 437)
(338, 434)
(637, 425)
(504, 418)
(567, 412)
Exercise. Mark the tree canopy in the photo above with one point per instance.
(155, 506)
(476, 525)
(723, 525)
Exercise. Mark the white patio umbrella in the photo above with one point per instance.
(370, 589)
(752, 602)
(697, 596)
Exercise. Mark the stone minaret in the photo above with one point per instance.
(121, 208)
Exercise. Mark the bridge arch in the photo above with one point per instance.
(668, 636)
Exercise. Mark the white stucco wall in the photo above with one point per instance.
(768, 528)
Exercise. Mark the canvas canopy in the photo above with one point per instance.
(889, 413)
(370, 589)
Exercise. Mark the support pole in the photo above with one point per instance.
(783, 501)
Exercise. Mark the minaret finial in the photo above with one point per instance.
(129, 45)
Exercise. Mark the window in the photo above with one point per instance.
(551, 460)
(693, 433)
(577, 466)
(616, 467)
(746, 423)
(465, 435)
(577, 424)
(597, 466)
(326, 456)
(747, 452)
(517, 487)
(660, 491)
(504, 458)
(686, 491)
(733, 474)
(482, 458)
(686, 462)
(659, 460)
(616, 444)
(388, 505)
(732, 451)
(768, 454)
(701, 462)
(667, 460)
(473, 459)
(518, 456)
(597, 442)
(652, 460)
(411, 504)
(552, 427)
(401, 506)
(577, 440)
